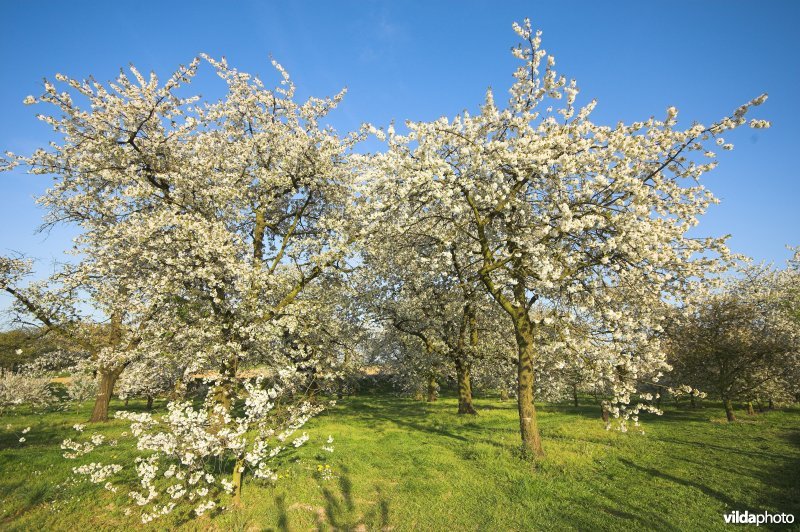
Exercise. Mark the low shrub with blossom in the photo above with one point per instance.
(191, 457)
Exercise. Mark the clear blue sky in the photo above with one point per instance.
(420, 60)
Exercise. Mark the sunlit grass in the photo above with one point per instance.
(401, 464)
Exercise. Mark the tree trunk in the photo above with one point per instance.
(604, 414)
(575, 395)
(464, 388)
(126, 401)
(729, 411)
(504, 395)
(149, 402)
(179, 391)
(750, 411)
(528, 426)
(238, 472)
(770, 405)
(225, 386)
(432, 389)
(108, 377)
(692, 399)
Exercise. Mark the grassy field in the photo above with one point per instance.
(406, 465)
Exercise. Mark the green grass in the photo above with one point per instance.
(406, 465)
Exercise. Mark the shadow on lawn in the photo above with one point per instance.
(643, 518)
(777, 473)
(341, 511)
(723, 448)
(785, 479)
(41, 439)
(657, 473)
(411, 415)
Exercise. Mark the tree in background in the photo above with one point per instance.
(86, 314)
(740, 343)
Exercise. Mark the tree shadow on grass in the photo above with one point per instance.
(784, 478)
(283, 517)
(341, 509)
(722, 448)
(421, 418)
(406, 416)
(656, 473)
(508, 405)
(644, 518)
(344, 513)
(781, 484)
(399, 407)
(39, 439)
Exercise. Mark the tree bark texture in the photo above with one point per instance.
(465, 405)
(528, 426)
(432, 389)
(108, 378)
(729, 411)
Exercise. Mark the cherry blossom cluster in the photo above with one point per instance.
(184, 450)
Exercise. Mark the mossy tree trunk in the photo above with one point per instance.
(432, 396)
(517, 308)
(528, 425)
(465, 405)
(729, 410)
(236, 480)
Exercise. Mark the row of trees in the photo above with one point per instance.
(521, 244)
(741, 343)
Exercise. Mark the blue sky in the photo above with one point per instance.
(420, 60)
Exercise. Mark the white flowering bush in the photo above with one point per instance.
(18, 389)
(192, 456)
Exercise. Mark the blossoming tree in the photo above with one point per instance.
(587, 222)
(86, 312)
(423, 289)
(202, 224)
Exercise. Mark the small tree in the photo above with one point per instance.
(85, 311)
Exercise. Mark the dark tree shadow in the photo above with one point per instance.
(656, 473)
(343, 513)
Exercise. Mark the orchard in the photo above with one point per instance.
(522, 294)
